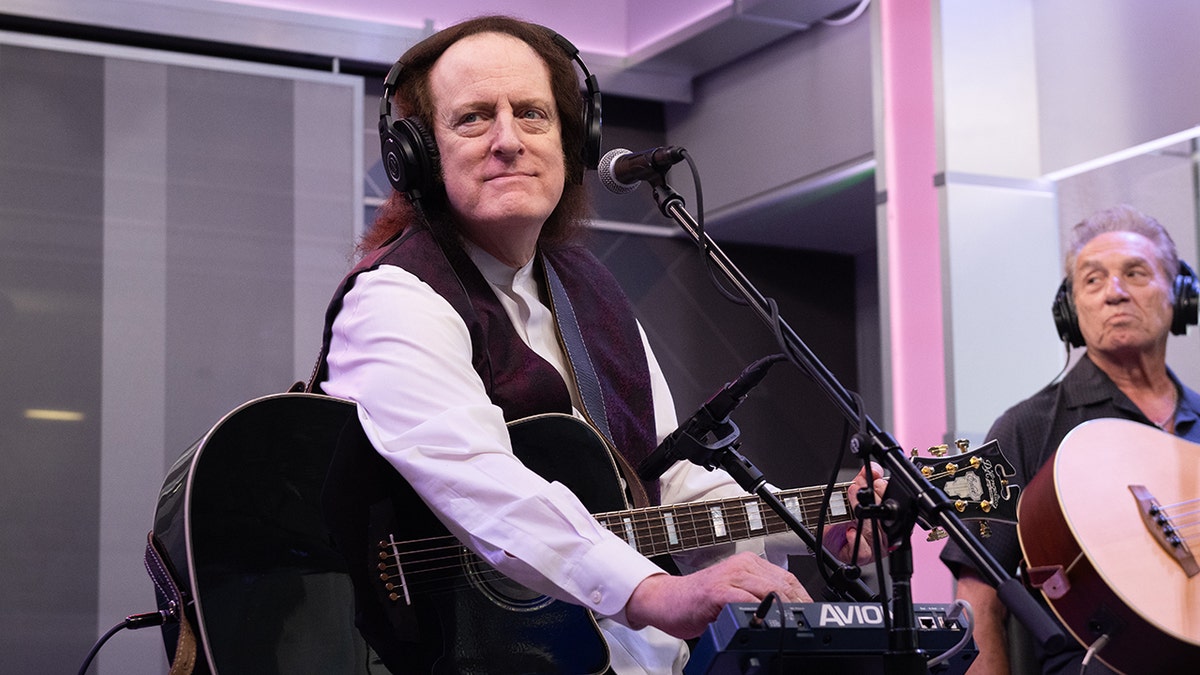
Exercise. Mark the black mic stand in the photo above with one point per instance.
(909, 495)
(723, 452)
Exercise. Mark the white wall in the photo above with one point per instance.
(1031, 87)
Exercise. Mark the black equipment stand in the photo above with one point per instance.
(909, 497)
(723, 452)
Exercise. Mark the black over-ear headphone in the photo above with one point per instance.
(410, 154)
(1187, 306)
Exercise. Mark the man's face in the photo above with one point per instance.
(1122, 294)
(498, 134)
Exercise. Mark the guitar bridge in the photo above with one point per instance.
(1161, 528)
(393, 581)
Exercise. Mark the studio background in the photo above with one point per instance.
(181, 184)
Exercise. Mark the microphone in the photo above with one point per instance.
(622, 171)
(711, 416)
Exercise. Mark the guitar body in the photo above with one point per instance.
(449, 612)
(1097, 562)
(288, 531)
(238, 519)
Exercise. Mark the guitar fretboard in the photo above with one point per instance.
(682, 527)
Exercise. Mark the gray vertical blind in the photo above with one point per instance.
(156, 270)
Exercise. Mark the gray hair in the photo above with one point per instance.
(1123, 218)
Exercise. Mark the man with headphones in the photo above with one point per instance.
(1125, 290)
(473, 307)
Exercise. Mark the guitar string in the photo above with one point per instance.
(692, 526)
(1182, 504)
(732, 509)
(697, 535)
(693, 531)
(696, 524)
(416, 577)
(1177, 517)
(692, 522)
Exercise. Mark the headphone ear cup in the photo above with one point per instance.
(410, 156)
(591, 121)
(1065, 318)
(591, 104)
(1187, 300)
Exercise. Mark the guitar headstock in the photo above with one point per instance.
(978, 483)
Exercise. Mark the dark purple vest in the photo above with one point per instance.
(517, 380)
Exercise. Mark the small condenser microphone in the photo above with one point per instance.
(711, 416)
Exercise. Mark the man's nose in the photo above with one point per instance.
(1115, 289)
(506, 138)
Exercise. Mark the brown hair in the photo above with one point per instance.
(413, 99)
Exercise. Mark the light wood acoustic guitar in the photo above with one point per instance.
(1109, 528)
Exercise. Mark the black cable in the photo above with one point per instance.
(96, 647)
(702, 240)
(790, 352)
(862, 438)
(132, 622)
(758, 619)
(782, 634)
(877, 541)
(822, 568)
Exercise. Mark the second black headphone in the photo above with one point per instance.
(410, 154)
(1186, 289)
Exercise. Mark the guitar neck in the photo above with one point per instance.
(674, 528)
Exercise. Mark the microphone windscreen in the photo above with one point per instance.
(608, 176)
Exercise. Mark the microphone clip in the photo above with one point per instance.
(685, 444)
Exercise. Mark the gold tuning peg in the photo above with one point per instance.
(939, 450)
(962, 444)
(936, 534)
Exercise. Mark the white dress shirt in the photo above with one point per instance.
(404, 355)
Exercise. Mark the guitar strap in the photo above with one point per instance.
(170, 598)
(590, 394)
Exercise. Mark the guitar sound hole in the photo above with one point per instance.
(500, 589)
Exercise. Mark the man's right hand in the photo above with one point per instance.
(684, 606)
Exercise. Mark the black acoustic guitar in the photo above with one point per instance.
(239, 521)
(276, 567)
